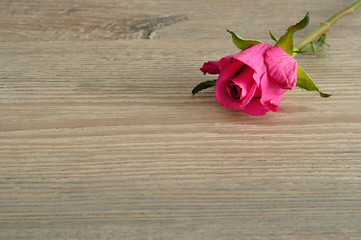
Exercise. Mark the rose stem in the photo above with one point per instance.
(325, 26)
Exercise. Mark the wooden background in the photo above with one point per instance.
(100, 137)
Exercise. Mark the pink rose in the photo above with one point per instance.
(255, 79)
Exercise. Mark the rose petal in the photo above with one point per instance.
(210, 67)
(272, 93)
(254, 58)
(256, 108)
(225, 62)
(222, 82)
(282, 75)
(282, 68)
(250, 95)
(244, 79)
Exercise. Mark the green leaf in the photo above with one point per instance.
(286, 41)
(204, 85)
(317, 46)
(272, 36)
(304, 81)
(242, 43)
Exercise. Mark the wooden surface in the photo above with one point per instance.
(100, 137)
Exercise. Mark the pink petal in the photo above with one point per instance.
(256, 108)
(272, 93)
(210, 67)
(254, 58)
(282, 75)
(244, 80)
(225, 62)
(282, 68)
(223, 80)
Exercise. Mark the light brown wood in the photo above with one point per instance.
(100, 137)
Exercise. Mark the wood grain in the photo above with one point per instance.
(100, 137)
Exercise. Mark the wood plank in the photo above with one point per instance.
(102, 139)
(37, 20)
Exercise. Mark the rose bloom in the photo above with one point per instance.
(255, 79)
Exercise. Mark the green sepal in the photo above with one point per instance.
(299, 52)
(273, 37)
(317, 46)
(286, 41)
(204, 85)
(304, 81)
(242, 43)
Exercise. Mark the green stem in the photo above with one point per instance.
(325, 26)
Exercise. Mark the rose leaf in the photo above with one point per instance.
(317, 46)
(204, 85)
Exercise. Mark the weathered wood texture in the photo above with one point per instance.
(100, 137)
